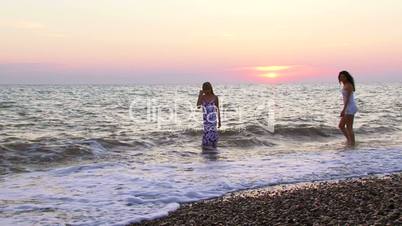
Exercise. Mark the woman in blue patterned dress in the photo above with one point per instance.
(211, 116)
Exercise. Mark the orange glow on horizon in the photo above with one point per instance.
(281, 73)
(271, 68)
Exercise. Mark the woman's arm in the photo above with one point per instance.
(349, 90)
(219, 112)
(199, 101)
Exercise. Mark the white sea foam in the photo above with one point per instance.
(116, 193)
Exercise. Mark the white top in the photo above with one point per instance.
(351, 109)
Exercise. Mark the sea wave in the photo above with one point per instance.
(53, 150)
(21, 156)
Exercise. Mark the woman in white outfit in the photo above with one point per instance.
(349, 108)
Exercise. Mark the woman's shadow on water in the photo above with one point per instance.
(211, 154)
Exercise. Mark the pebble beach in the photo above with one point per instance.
(373, 200)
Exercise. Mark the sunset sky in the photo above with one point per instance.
(190, 41)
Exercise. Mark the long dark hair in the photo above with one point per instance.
(348, 77)
(207, 85)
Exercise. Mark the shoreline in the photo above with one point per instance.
(372, 199)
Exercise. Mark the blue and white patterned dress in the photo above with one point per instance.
(210, 137)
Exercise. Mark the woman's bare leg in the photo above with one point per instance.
(342, 127)
(349, 129)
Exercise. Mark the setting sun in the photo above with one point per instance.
(270, 75)
(272, 71)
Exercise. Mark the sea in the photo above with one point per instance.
(117, 154)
